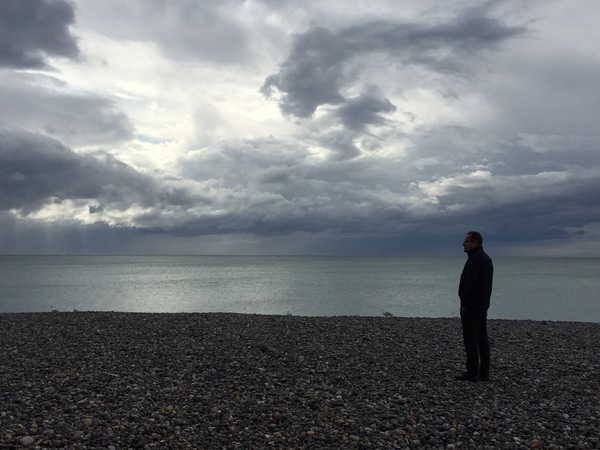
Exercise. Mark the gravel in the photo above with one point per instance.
(104, 380)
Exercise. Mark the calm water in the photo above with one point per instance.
(524, 288)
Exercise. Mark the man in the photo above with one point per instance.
(474, 291)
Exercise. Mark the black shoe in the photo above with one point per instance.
(484, 377)
(466, 376)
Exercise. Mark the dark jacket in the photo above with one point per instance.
(475, 287)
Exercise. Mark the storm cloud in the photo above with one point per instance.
(324, 63)
(298, 127)
(33, 30)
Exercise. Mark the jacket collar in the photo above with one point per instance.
(476, 250)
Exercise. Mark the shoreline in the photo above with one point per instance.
(227, 380)
(383, 315)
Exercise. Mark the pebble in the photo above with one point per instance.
(132, 380)
(26, 441)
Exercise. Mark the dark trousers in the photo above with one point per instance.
(477, 345)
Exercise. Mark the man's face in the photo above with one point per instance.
(469, 244)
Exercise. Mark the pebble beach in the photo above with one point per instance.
(105, 380)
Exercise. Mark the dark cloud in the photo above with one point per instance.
(381, 196)
(265, 189)
(36, 170)
(322, 62)
(366, 109)
(313, 74)
(31, 31)
(533, 207)
(47, 106)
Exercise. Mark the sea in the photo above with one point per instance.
(551, 289)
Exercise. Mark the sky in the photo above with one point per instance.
(299, 127)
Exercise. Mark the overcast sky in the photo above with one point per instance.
(299, 127)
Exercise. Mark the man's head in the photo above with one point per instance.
(473, 239)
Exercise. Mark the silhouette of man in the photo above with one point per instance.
(474, 291)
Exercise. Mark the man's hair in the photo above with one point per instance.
(476, 236)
